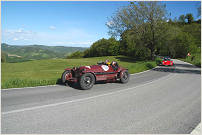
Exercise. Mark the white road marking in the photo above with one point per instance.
(29, 87)
(144, 71)
(77, 100)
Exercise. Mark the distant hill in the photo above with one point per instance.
(16, 53)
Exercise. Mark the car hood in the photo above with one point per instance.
(92, 68)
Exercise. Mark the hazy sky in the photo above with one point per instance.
(66, 23)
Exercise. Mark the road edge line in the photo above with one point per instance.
(29, 87)
(144, 71)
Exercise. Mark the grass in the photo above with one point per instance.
(194, 59)
(48, 72)
(18, 83)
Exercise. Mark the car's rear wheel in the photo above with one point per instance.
(124, 77)
(87, 81)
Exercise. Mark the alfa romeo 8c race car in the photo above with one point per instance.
(166, 61)
(86, 76)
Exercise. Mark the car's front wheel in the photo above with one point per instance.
(124, 76)
(64, 74)
(87, 81)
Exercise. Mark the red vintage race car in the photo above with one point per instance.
(86, 76)
(166, 61)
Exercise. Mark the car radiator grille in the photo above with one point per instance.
(75, 73)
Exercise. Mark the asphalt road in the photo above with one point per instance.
(165, 100)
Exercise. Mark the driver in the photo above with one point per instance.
(114, 65)
(107, 63)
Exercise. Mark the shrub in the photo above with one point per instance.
(158, 61)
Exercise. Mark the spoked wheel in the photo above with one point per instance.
(64, 74)
(124, 76)
(87, 81)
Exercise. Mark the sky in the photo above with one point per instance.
(67, 23)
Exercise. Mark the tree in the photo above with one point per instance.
(176, 42)
(182, 19)
(189, 18)
(103, 47)
(131, 45)
(145, 19)
(113, 47)
(184, 43)
(165, 46)
(194, 30)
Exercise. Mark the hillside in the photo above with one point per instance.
(35, 52)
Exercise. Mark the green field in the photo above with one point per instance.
(48, 72)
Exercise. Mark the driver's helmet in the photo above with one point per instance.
(113, 63)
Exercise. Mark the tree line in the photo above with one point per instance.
(142, 30)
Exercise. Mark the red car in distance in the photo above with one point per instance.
(86, 76)
(166, 61)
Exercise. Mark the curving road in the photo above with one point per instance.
(165, 100)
